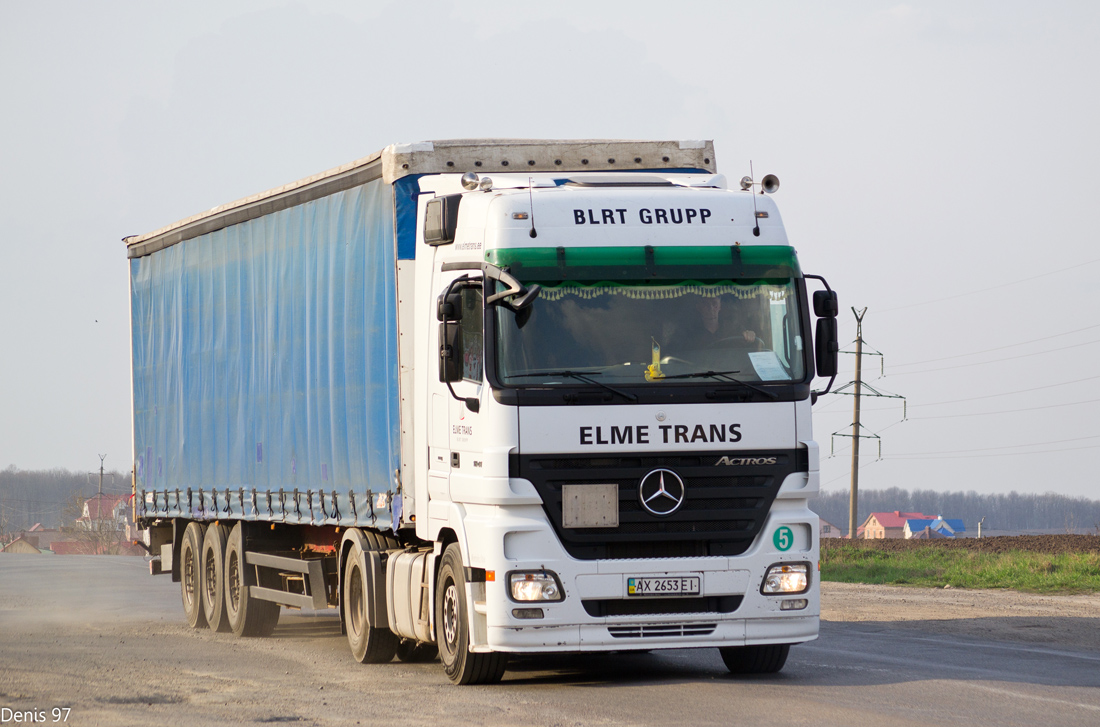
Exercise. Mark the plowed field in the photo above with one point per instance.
(1053, 544)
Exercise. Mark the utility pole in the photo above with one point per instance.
(853, 496)
(101, 458)
(859, 389)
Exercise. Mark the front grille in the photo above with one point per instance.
(598, 608)
(643, 631)
(723, 510)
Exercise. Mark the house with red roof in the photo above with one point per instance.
(880, 525)
(102, 509)
(22, 544)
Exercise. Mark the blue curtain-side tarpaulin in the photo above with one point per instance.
(265, 367)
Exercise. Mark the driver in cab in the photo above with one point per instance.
(703, 331)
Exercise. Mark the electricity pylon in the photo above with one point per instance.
(859, 388)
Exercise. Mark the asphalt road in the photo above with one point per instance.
(99, 636)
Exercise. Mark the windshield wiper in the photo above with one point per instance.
(725, 376)
(580, 377)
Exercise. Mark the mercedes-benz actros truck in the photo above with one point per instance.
(488, 398)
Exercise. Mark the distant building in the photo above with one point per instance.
(927, 534)
(105, 512)
(72, 547)
(942, 527)
(22, 544)
(881, 525)
(828, 530)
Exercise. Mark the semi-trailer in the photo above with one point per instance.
(487, 397)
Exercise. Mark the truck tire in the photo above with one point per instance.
(368, 645)
(247, 616)
(763, 659)
(452, 627)
(213, 577)
(191, 575)
(412, 651)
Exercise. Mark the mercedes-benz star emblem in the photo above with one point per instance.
(661, 492)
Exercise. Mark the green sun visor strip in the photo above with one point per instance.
(736, 262)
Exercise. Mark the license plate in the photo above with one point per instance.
(663, 586)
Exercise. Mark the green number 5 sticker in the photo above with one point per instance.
(783, 538)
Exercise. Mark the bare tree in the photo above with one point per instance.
(99, 532)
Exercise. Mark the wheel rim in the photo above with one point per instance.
(355, 602)
(450, 616)
(234, 579)
(189, 575)
(211, 578)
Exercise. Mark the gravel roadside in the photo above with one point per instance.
(1000, 615)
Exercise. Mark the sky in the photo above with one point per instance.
(938, 165)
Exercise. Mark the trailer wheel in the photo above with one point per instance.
(764, 659)
(368, 645)
(191, 575)
(247, 616)
(213, 576)
(452, 629)
(412, 651)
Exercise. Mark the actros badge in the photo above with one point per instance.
(661, 492)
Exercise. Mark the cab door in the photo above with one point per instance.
(454, 437)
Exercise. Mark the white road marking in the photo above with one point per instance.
(1010, 693)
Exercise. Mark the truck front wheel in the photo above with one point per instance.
(762, 659)
(452, 630)
(191, 575)
(247, 616)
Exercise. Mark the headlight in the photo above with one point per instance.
(535, 586)
(786, 578)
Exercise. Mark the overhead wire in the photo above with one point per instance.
(995, 287)
(998, 348)
(998, 360)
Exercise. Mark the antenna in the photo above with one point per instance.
(531, 204)
(755, 218)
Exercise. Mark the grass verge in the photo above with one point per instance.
(1034, 572)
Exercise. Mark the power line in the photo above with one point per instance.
(995, 287)
(1007, 446)
(1008, 411)
(975, 398)
(999, 348)
(998, 360)
(1002, 454)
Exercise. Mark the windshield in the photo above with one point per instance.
(654, 333)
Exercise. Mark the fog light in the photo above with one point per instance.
(535, 586)
(527, 612)
(786, 578)
(793, 604)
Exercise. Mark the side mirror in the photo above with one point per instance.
(449, 305)
(441, 220)
(450, 351)
(826, 345)
(825, 304)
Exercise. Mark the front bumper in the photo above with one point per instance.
(523, 540)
